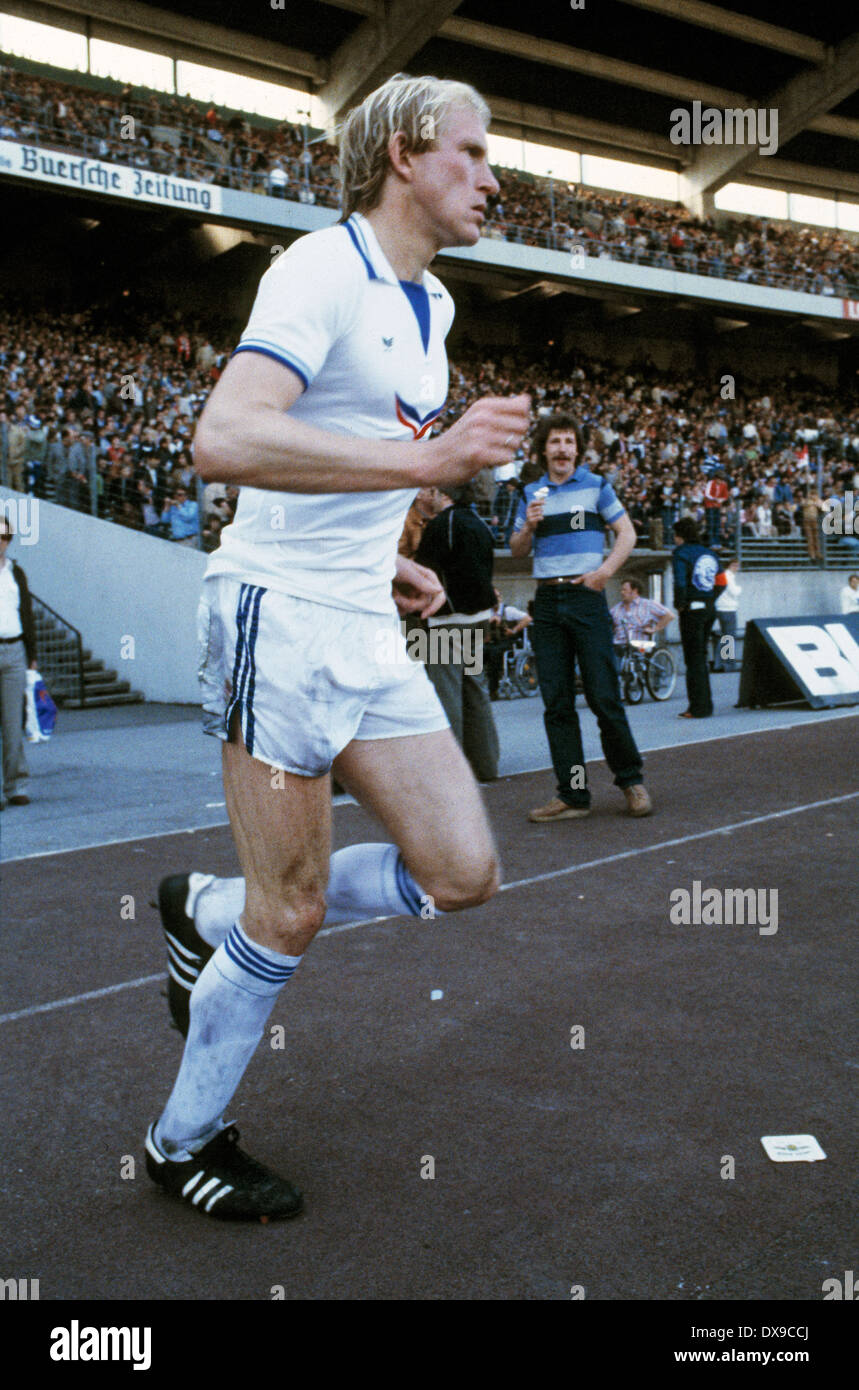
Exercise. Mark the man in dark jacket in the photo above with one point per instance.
(695, 594)
(458, 546)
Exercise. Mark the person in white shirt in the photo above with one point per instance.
(322, 419)
(727, 604)
(17, 652)
(506, 623)
(850, 595)
(764, 519)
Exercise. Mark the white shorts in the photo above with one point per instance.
(306, 678)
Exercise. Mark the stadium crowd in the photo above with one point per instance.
(188, 139)
(95, 417)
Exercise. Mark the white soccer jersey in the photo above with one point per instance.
(370, 351)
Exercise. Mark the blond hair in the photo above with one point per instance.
(414, 105)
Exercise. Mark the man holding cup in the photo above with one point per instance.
(563, 516)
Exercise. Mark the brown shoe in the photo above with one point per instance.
(637, 801)
(556, 809)
(19, 800)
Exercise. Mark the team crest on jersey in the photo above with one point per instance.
(388, 343)
(704, 573)
(417, 423)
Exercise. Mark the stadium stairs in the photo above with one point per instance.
(75, 679)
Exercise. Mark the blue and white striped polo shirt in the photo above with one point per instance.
(569, 539)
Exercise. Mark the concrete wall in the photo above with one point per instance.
(112, 584)
(766, 593)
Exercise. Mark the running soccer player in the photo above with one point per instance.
(322, 417)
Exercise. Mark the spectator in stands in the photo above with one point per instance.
(149, 514)
(182, 516)
(715, 499)
(653, 512)
(764, 519)
(183, 469)
(36, 453)
(278, 180)
(18, 436)
(782, 492)
(811, 507)
(649, 429)
(73, 484)
(782, 515)
(150, 471)
(608, 225)
(211, 533)
(55, 463)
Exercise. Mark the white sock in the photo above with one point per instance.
(364, 881)
(230, 1004)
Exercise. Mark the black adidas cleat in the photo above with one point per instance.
(187, 952)
(224, 1182)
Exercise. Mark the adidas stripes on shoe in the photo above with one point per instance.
(224, 1182)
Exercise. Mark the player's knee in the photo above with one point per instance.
(469, 885)
(287, 926)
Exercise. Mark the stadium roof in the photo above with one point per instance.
(601, 79)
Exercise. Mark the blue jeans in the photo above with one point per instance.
(572, 625)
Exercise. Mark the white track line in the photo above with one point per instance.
(344, 799)
(505, 887)
(81, 998)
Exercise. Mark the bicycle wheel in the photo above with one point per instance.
(525, 675)
(633, 687)
(661, 675)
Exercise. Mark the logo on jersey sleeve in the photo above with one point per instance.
(413, 420)
(704, 573)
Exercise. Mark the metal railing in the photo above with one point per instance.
(711, 265)
(792, 552)
(59, 653)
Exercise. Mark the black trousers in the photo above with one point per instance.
(696, 625)
(493, 657)
(572, 625)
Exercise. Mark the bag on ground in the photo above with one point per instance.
(40, 710)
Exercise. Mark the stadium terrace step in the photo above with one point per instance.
(57, 654)
(132, 697)
(105, 687)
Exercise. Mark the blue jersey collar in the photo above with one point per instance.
(367, 245)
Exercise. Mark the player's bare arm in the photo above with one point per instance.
(246, 436)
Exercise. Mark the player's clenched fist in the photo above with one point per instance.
(488, 434)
